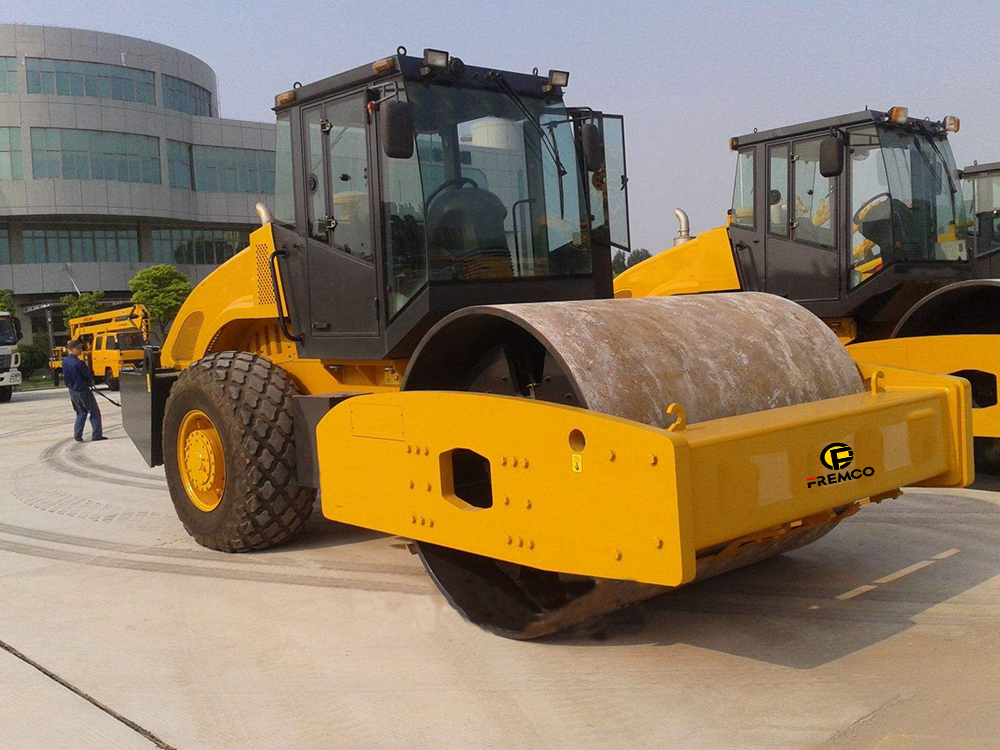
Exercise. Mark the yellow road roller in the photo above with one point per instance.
(861, 219)
(424, 333)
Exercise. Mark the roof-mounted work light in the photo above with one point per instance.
(899, 115)
(558, 78)
(435, 58)
(951, 123)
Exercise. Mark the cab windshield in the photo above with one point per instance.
(493, 192)
(906, 201)
(7, 335)
(130, 340)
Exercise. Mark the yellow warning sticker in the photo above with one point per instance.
(577, 463)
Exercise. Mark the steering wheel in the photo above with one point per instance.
(865, 207)
(456, 182)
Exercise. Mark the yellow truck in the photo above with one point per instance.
(111, 340)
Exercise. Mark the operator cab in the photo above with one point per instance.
(981, 189)
(850, 215)
(418, 186)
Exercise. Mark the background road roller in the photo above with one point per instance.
(425, 333)
(861, 219)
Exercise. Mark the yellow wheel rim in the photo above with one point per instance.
(201, 461)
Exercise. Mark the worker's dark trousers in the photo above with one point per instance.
(85, 404)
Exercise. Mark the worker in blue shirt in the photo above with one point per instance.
(79, 380)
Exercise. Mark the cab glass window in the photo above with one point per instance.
(742, 214)
(315, 187)
(616, 180)
(99, 345)
(814, 197)
(112, 343)
(347, 145)
(284, 200)
(403, 228)
(869, 188)
(987, 214)
(777, 187)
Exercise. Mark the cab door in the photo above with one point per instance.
(607, 198)
(802, 256)
(340, 255)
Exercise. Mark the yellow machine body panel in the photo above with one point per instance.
(235, 308)
(580, 492)
(703, 264)
(951, 354)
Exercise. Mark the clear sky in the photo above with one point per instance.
(686, 75)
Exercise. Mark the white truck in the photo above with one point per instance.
(10, 334)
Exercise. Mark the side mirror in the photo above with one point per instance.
(831, 157)
(395, 129)
(18, 334)
(593, 146)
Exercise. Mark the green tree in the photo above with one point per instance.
(618, 262)
(638, 256)
(7, 300)
(78, 306)
(162, 289)
(33, 357)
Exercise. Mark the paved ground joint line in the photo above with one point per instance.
(854, 592)
(90, 699)
(946, 554)
(905, 571)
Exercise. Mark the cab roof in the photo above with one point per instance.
(976, 169)
(864, 117)
(411, 68)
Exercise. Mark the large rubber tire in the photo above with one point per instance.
(110, 381)
(5, 393)
(249, 399)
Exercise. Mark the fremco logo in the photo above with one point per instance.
(838, 456)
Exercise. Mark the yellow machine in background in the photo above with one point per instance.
(111, 340)
(456, 372)
(859, 218)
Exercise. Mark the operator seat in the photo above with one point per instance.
(892, 224)
(466, 239)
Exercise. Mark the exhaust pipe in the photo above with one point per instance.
(264, 214)
(683, 227)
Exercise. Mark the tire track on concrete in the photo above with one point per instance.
(55, 457)
(214, 557)
(33, 428)
(229, 573)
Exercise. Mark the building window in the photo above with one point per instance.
(4, 245)
(197, 246)
(8, 75)
(57, 245)
(94, 155)
(232, 170)
(10, 154)
(68, 78)
(179, 165)
(187, 97)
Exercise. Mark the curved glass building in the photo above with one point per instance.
(114, 156)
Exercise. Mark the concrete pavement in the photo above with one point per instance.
(883, 634)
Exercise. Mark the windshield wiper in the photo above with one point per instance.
(497, 76)
(944, 163)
